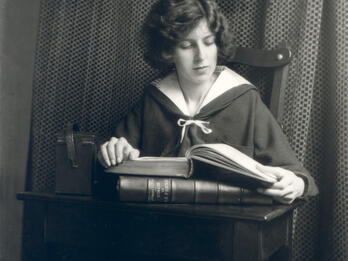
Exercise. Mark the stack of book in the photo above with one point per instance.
(209, 173)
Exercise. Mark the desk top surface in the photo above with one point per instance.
(247, 212)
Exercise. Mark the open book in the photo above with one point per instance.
(222, 162)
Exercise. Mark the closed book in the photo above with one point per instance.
(154, 166)
(221, 162)
(178, 190)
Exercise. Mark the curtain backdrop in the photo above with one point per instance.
(89, 70)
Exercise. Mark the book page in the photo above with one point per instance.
(231, 155)
(176, 159)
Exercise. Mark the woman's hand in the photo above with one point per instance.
(115, 151)
(287, 188)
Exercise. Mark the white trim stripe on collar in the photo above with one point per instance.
(226, 80)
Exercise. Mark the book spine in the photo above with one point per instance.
(176, 190)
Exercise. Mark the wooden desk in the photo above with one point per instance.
(104, 230)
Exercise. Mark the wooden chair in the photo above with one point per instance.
(277, 59)
(94, 229)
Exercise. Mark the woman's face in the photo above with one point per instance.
(195, 57)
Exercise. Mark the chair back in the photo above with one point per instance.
(277, 59)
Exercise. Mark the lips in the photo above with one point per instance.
(199, 68)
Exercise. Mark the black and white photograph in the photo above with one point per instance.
(173, 130)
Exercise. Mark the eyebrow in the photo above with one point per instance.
(205, 37)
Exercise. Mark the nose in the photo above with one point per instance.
(199, 53)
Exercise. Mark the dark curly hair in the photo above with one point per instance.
(169, 21)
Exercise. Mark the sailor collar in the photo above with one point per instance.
(226, 80)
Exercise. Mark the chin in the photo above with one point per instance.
(202, 77)
(200, 80)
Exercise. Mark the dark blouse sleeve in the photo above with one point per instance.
(272, 147)
(130, 127)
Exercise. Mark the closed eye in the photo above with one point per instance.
(185, 44)
(209, 40)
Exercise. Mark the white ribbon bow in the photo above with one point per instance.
(183, 123)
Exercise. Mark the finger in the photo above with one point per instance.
(278, 186)
(134, 154)
(119, 149)
(111, 150)
(284, 200)
(105, 155)
(292, 183)
(290, 196)
(283, 183)
(126, 151)
(288, 199)
(278, 172)
(275, 192)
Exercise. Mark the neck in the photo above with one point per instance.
(194, 94)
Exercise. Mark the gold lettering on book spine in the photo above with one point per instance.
(151, 190)
(158, 191)
(166, 191)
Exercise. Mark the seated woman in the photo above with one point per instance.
(201, 102)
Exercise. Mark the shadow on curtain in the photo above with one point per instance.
(89, 70)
